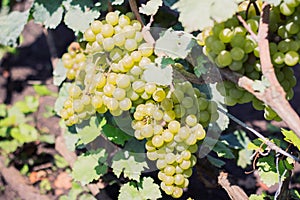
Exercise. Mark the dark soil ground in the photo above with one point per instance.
(32, 64)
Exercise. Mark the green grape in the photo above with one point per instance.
(107, 30)
(191, 120)
(224, 58)
(157, 141)
(286, 9)
(119, 39)
(291, 58)
(167, 136)
(89, 35)
(226, 35)
(96, 27)
(237, 53)
(130, 45)
(108, 44)
(124, 21)
(292, 27)
(112, 18)
(238, 41)
(159, 95)
(253, 24)
(125, 104)
(174, 126)
(178, 179)
(278, 58)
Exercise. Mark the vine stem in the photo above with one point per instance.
(270, 144)
(134, 9)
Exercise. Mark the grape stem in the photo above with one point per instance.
(247, 27)
(270, 144)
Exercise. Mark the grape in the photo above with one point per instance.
(224, 58)
(291, 58)
(112, 18)
(107, 30)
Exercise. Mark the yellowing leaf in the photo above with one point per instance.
(291, 137)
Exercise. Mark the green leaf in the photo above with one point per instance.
(117, 2)
(291, 137)
(130, 160)
(200, 68)
(149, 190)
(8, 121)
(115, 135)
(86, 196)
(223, 151)
(92, 131)
(158, 75)
(88, 167)
(274, 2)
(15, 112)
(60, 161)
(129, 192)
(24, 133)
(174, 44)
(11, 26)
(41, 90)
(62, 97)
(2, 110)
(223, 121)
(79, 20)
(203, 12)
(245, 154)
(59, 73)
(151, 7)
(47, 138)
(165, 61)
(215, 161)
(48, 14)
(29, 105)
(256, 197)
(3, 131)
(9, 146)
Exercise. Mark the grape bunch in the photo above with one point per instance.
(111, 79)
(73, 60)
(229, 45)
(172, 128)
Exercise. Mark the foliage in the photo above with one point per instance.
(123, 140)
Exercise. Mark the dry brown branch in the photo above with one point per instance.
(234, 191)
(13, 178)
(135, 11)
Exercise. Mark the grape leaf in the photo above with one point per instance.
(117, 2)
(223, 121)
(89, 167)
(165, 61)
(256, 197)
(59, 73)
(41, 90)
(169, 3)
(215, 161)
(274, 2)
(115, 135)
(9, 146)
(130, 160)
(158, 75)
(62, 97)
(79, 20)
(92, 131)
(48, 14)
(174, 44)
(30, 104)
(267, 170)
(245, 153)
(197, 15)
(11, 31)
(218, 13)
(223, 151)
(24, 133)
(129, 192)
(17, 114)
(2, 110)
(149, 190)
(151, 7)
(291, 137)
